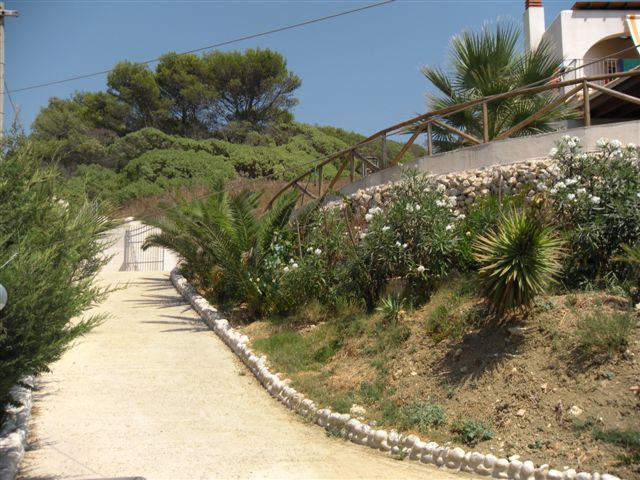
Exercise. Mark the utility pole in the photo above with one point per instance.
(3, 13)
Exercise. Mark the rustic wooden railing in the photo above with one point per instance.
(578, 90)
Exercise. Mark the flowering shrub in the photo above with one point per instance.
(415, 237)
(596, 201)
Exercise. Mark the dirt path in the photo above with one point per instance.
(153, 393)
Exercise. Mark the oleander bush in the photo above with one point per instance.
(50, 253)
(596, 202)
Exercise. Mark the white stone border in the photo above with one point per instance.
(13, 432)
(353, 429)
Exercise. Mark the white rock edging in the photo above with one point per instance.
(13, 432)
(358, 432)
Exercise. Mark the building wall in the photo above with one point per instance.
(574, 32)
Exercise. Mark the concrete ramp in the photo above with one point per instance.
(504, 152)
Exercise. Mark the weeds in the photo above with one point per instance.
(391, 308)
(424, 415)
(471, 431)
(603, 333)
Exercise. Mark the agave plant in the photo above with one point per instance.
(223, 242)
(486, 63)
(518, 261)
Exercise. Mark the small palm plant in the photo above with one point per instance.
(223, 242)
(518, 261)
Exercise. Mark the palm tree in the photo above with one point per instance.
(223, 242)
(486, 63)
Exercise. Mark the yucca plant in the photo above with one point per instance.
(223, 242)
(518, 261)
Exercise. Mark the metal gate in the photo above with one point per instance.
(136, 259)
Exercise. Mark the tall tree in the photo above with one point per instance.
(254, 86)
(191, 100)
(136, 85)
(488, 62)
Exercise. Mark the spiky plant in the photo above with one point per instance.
(488, 62)
(223, 241)
(518, 261)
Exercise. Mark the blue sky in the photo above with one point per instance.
(359, 72)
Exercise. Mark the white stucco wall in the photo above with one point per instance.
(533, 27)
(574, 32)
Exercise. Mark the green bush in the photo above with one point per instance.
(471, 432)
(50, 253)
(517, 261)
(604, 333)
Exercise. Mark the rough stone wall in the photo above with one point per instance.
(462, 188)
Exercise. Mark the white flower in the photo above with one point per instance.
(449, 227)
(409, 208)
(441, 203)
(441, 188)
(404, 245)
(398, 244)
(317, 251)
(417, 207)
(571, 196)
(581, 191)
(310, 249)
(631, 146)
(571, 144)
(638, 194)
(291, 260)
(571, 181)
(363, 235)
(421, 269)
(368, 217)
(553, 191)
(566, 138)
(462, 216)
(453, 201)
(553, 152)
(385, 228)
(594, 199)
(616, 144)
(286, 269)
(294, 265)
(560, 186)
(602, 142)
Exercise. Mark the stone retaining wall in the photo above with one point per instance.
(462, 188)
(358, 432)
(13, 432)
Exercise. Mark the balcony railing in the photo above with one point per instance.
(596, 67)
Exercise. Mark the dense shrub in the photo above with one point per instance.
(50, 252)
(517, 261)
(597, 204)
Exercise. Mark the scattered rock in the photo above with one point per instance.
(575, 411)
(521, 412)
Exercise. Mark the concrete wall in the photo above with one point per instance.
(502, 152)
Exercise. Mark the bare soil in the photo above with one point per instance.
(522, 382)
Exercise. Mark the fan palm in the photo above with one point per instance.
(223, 241)
(486, 63)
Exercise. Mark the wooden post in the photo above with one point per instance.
(485, 122)
(429, 140)
(587, 104)
(352, 167)
(383, 152)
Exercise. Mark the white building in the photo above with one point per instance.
(591, 32)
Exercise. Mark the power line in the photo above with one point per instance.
(16, 112)
(216, 45)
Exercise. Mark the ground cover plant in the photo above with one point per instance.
(50, 253)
